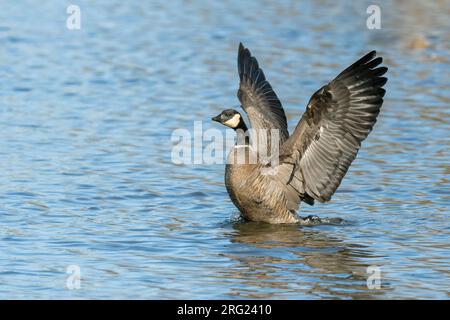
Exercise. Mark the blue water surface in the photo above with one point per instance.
(86, 177)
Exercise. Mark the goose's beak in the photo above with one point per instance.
(216, 118)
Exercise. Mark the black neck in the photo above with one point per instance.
(242, 134)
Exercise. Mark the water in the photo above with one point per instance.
(86, 175)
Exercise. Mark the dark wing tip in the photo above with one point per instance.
(369, 56)
(382, 70)
(366, 58)
(242, 52)
(244, 60)
(248, 67)
(368, 63)
(383, 81)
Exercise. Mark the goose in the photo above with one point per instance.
(313, 160)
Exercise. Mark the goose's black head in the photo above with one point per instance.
(231, 118)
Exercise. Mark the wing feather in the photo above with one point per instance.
(338, 117)
(257, 97)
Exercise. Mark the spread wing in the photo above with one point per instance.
(338, 117)
(257, 97)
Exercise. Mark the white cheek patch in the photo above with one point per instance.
(233, 122)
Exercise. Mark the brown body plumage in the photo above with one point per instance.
(314, 159)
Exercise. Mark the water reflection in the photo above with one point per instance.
(323, 266)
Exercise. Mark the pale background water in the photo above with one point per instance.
(85, 157)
